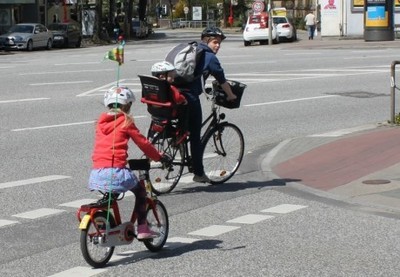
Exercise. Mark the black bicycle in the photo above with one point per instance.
(222, 142)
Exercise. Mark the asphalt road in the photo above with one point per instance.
(253, 225)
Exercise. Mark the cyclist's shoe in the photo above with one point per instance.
(144, 232)
(201, 179)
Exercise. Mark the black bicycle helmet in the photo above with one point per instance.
(213, 32)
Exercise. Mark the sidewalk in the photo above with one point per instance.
(359, 165)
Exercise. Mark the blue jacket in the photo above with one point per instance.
(209, 65)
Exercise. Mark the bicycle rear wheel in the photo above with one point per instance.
(164, 180)
(223, 152)
(91, 239)
(162, 228)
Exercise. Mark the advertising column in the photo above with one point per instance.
(378, 20)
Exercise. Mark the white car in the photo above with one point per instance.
(285, 28)
(257, 30)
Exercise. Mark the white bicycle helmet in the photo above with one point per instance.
(118, 95)
(162, 67)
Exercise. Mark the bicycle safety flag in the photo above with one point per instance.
(185, 57)
(116, 54)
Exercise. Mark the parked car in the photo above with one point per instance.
(27, 36)
(285, 28)
(257, 29)
(140, 28)
(66, 34)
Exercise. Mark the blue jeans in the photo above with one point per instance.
(311, 30)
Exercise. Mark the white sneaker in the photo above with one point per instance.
(201, 179)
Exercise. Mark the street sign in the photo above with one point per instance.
(186, 10)
(258, 6)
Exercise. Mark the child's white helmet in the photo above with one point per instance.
(118, 95)
(162, 67)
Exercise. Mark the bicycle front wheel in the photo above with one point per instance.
(223, 152)
(160, 226)
(94, 253)
(164, 180)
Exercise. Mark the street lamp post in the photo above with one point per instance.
(269, 23)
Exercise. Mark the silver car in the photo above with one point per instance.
(27, 36)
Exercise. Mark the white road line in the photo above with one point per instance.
(39, 213)
(123, 255)
(33, 181)
(291, 100)
(62, 64)
(22, 100)
(53, 126)
(61, 83)
(250, 219)
(213, 230)
(284, 209)
(4, 222)
(79, 271)
(106, 86)
(339, 133)
(63, 72)
(78, 203)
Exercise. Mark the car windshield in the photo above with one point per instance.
(57, 27)
(21, 29)
(279, 20)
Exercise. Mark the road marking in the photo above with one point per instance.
(291, 100)
(250, 219)
(54, 126)
(123, 82)
(23, 100)
(39, 213)
(78, 203)
(80, 271)
(62, 64)
(106, 86)
(122, 255)
(63, 72)
(33, 181)
(61, 83)
(283, 209)
(213, 230)
(339, 133)
(4, 222)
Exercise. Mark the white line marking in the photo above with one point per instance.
(291, 100)
(4, 222)
(78, 203)
(250, 219)
(60, 83)
(39, 213)
(176, 242)
(339, 133)
(23, 100)
(33, 181)
(79, 271)
(53, 126)
(122, 255)
(283, 209)
(213, 230)
(58, 64)
(63, 72)
(109, 85)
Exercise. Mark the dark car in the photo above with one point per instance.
(66, 34)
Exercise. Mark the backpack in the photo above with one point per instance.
(185, 57)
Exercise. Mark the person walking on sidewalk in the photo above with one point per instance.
(310, 23)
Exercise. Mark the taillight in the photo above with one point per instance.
(286, 26)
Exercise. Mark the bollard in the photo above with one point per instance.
(392, 91)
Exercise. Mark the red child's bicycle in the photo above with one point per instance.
(102, 228)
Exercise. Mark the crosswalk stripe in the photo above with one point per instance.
(39, 213)
(32, 181)
(213, 230)
(250, 219)
(4, 222)
(78, 203)
(79, 271)
(283, 209)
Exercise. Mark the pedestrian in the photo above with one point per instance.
(109, 173)
(310, 23)
(211, 39)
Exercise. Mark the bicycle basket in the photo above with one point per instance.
(220, 97)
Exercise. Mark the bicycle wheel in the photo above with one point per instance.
(164, 180)
(223, 152)
(91, 238)
(157, 244)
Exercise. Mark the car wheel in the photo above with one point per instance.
(78, 43)
(247, 43)
(49, 44)
(29, 45)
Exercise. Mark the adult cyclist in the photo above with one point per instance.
(211, 39)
